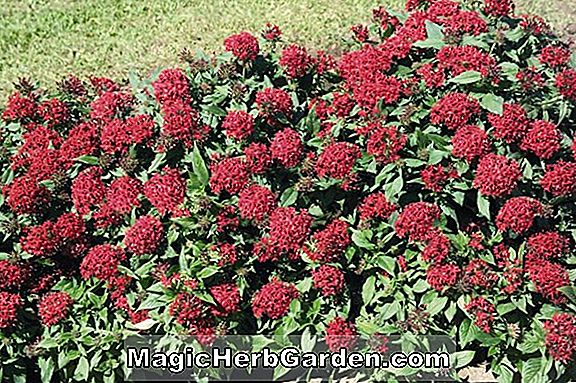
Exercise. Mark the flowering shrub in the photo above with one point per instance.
(421, 183)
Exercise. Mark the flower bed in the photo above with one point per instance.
(421, 183)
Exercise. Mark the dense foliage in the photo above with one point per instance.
(421, 183)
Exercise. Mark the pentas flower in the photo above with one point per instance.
(340, 334)
(88, 190)
(512, 125)
(435, 177)
(242, 45)
(70, 227)
(560, 179)
(360, 33)
(188, 309)
(54, 307)
(548, 278)
(465, 22)
(256, 202)
(470, 142)
(271, 32)
(13, 275)
(375, 206)
(111, 105)
(566, 83)
(274, 299)
(258, 158)
(385, 143)
(144, 236)
(417, 220)
(287, 147)
(337, 160)
(543, 139)
(20, 108)
(229, 174)
(83, 139)
(442, 276)
(102, 262)
(228, 254)
(479, 273)
(331, 242)
(103, 84)
(113, 135)
(437, 247)
(534, 24)
(180, 122)
(329, 280)
(140, 129)
(171, 85)
(54, 112)
(122, 194)
(561, 337)
(554, 56)
(454, 110)
(295, 61)
(441, 10)
(384, 18)
(518, 214)
(548, 245)
(41, 240)
(498, 8)
(341, 105)
(433, 77)
(484, 313)
(459, 59)
(106, 217)
(166, 190)
(238, 124)
(25, 196)
(227, 219)
(274, 102)
(530, 79)
(227, 299)
(9, 305)
(496, 176)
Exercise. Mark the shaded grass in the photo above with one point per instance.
(47, 39)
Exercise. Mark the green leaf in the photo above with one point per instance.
(468, 77)
(90, 160)
(387, 263)
(389, 310)
(434, 31)
(483, 206)
(288, 197)
(531, 369)
(199, 167)
(157, 162)
(46, 369)
(437, 305)
(82, 369)
(570, 292)
(368, 290)
(492, 103)
(461, 358)
(361, 238)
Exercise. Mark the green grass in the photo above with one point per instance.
(47, 39)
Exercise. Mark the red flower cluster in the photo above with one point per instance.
(470, 142)
(12, 275)
(274, 299)
(256, 202)
(479, 273)
(498, 8)
(459, 59)
(518, 214)
(122, 194)
(375, 206)
(484, 313)
(496, 176)
(331, 242)
(287, 148)
(385, 143)
(144, 236)
(238, 124)
(329, 280)
(340, 334)
(561, 336)
(543, 139)
(511, 125)
(417, 221)
(547, 278)
(227, 298)
(9, 305)
(435, 177)
(243, 45)
(102, 262)
(337, 160)
(548, 245)
(454, 110)
(54, 307)
(560, 179)
(554, 56)
(166, 191)
(272, 103)
(295, 61)
(566, 83)
(229, 174)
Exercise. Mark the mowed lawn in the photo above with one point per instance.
(47, 39)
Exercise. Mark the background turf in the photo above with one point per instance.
(47, 39)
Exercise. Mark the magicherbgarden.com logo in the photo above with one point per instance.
(259, 358)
